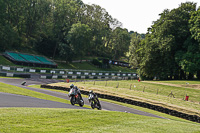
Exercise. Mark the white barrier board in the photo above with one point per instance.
(43, 71)
(9, 74)
(5, 68)
(20, 69)
(32, 70)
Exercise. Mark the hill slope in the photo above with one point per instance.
(74, 65)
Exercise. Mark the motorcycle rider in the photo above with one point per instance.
(71, 86)
(78, 91)
(96, 103)
(95, 95)
(75, 95)
(91, 92)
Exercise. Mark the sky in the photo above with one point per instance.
(137, 15)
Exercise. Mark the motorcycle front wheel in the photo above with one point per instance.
(81, 103)
(72, 100)
(92, 105)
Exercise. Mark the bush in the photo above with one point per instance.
(96, 62)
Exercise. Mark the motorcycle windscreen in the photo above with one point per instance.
(72, 92)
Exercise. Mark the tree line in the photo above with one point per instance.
(171, 48)
(67, 29)
(61, 29)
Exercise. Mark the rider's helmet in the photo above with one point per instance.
(75, 87)
(71, 86)
(91, 91)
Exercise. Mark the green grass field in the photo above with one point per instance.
(4, 61)
(15, 120)
(149, 92)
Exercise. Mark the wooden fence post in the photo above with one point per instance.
(171, 94)
(117, 85)
(143, 88)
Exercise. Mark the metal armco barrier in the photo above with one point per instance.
(189, 117)
(21, 75)
(84, 77)
(71, 72)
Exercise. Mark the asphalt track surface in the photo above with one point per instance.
(13, 100)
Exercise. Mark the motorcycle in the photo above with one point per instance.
(75, 98)
(94, 101)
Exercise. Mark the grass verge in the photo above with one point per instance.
(14, 120)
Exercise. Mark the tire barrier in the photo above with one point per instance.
(189, 117)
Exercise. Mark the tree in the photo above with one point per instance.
(9, 24)
(98, 20)
(65, 14)
(195, 31)
(52, 25)
(136, 50)
(166, 39)
(79, 38)
(120, 42)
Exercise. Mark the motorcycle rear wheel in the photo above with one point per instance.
(99, 106)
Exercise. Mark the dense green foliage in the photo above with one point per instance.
(64, 29)
(171, 48)
(69, 29)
